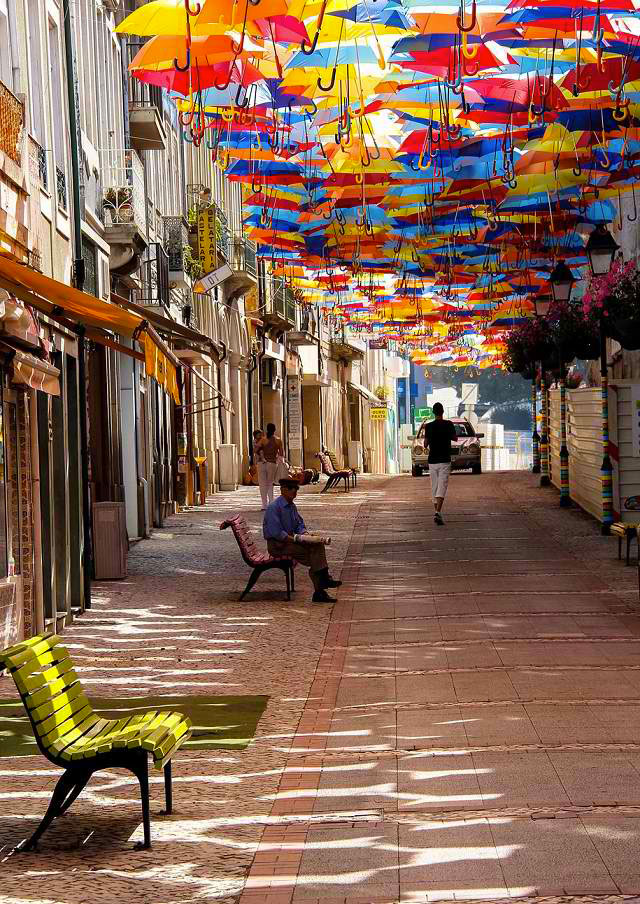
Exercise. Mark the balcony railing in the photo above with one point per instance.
(280, 302)
(176, 237)
(146, 115)
(123, 199)
(11, 124)
(244, 256)
(61, 188)
(154, 277)
(43, 167)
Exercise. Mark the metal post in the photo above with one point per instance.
(544, 437)
(535, 438)
(565, 499)
(606, 471)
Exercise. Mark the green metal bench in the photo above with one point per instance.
(71, 735)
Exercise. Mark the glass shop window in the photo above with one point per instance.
(10, 508)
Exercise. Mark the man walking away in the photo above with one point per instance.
(438, 437)
(284, 530)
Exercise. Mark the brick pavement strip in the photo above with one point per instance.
(390, 796)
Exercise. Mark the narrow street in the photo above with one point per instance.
(463, 724)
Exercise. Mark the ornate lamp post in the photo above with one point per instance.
(601, 251)
(562, 280)
(541, 304)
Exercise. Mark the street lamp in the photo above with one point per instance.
(601, 250)
(562, 280)
(541, 303)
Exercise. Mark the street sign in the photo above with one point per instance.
(207, 251)
(378, 344)
(423, 414)
(213, 279)
(378, 414)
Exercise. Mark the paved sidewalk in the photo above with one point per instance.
(463, 724)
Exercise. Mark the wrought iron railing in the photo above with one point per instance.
(43, 167)
(154, 277)
(244, 255)
(281, 301)
(176, 240)
(11, 124)
(123, 199)
(61, 188)
(142, 95)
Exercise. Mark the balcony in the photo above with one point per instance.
(154, 279)
(308, 332)
(344, 347)
(61, 189)
(280, 307)
(181, 262)
(242, 260)
(124, 208)
(146, 119)
(11, 124)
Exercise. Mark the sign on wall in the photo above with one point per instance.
(294, 410)
(424, 414)
(378, 414)
(207, 251)
(378, 344)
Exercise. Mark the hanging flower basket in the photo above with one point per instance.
(526, 344)
(614, 299)
(574, 334)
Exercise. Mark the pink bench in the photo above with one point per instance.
(259, 561)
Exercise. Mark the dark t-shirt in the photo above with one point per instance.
(438, 436)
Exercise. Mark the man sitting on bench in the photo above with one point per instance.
(287, 537)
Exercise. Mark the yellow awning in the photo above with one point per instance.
(78, 306)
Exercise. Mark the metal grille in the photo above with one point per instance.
(124, 197)
(154, 277)
(140, 93)
(61, 188)
(11, 124)
(176, 237)
(43, 167)
(90, 267)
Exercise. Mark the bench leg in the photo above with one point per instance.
(66, 784)
(619, 547)
(75, 792)
(255, 574)
(628, 547)
(168, 791)
(346, 484)
(141, 771)
(293, 578)
(287, 575)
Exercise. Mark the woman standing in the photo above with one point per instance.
(268, 450)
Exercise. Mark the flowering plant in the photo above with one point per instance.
(615, 295)
(528, 342)
(573, 333)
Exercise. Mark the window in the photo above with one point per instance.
(8, 56)
(57, 114)
(36, 108)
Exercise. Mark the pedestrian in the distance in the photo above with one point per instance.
(438, 437)
(268, 450)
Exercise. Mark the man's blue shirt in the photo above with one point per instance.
(281, 519)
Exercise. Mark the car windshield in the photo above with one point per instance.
(464, 430)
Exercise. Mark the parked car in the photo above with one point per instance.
(465, 452)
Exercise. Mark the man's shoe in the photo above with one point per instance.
(438, 518)
(331, 583)
(321, 596)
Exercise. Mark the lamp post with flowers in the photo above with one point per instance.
(562, 280)
(601, 250)
(541, 303)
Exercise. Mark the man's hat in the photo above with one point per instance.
(289, 483)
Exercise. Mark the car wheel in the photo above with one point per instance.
(477, 469)
(416, 471)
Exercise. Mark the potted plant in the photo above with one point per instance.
(527, 343)
(614, 300)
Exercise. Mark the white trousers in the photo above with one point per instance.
(439, 479)
(266, 477)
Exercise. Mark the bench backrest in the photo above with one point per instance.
(327, 467)
(49, 687)
(333, 460)
(244, 537)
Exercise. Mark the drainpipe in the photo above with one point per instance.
(79, 274)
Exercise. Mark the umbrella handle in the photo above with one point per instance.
(460, 23)
(633, 218)
(332, 82)
(195, 11)
(186, 66)
(319, 21)
(470, 52)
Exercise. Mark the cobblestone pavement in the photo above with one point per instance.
(464, 724)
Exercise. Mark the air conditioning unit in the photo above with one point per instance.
(110, 542)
